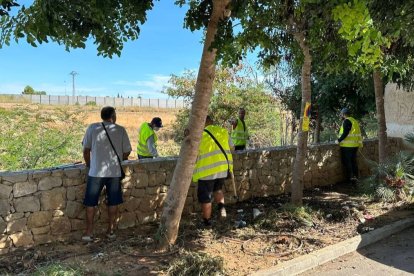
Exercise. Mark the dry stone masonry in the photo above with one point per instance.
(43, 206)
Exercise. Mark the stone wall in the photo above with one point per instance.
(399, 110)
(38, 207)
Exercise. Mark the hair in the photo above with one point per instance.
(209, 119)
(107, 112)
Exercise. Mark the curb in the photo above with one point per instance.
(321, 256)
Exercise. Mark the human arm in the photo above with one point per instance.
(347, 125)
(126, 146)
(151, 146)
(87, 156)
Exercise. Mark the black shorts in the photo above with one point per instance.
(206, 188)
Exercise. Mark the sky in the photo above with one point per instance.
(163, 48)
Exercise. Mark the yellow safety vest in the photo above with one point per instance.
(145, 132)
(211, 159)
(239, 135)
(354, 138)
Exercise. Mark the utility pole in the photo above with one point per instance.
(73, 73)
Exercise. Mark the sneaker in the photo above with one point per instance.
(87, 238)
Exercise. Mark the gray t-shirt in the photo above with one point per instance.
(104, 162)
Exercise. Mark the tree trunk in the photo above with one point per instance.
(177, 193)
(382, 127)
(293, 130)
(299, 165)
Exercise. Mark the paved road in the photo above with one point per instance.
(391, 256)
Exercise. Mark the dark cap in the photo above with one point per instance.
(156, 121)
(345, 111)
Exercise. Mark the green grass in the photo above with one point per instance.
(57, 269)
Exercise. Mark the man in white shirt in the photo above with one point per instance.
(104, 168)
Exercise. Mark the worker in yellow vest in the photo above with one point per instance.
(147, 139)
(239, 133)
(214, 163)
(350, 140)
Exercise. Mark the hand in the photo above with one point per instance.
(336, 142)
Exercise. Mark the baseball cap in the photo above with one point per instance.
(344, 110)
(156, 121)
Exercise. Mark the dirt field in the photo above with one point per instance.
(278, 234)
(129, 117)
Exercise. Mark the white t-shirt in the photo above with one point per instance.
(104, 162)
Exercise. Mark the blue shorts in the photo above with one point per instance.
(206, 188)
(94, 186)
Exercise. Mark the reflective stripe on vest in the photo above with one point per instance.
(145, 132)
(211, 159)
(354, 138)
(239, 135)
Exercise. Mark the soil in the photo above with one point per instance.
(278, 234)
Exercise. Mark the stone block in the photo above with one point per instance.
(144, 218)
(41, 174)
(67, 182)
(72, 172)
(14, 216)
(80, 192)
(4, 207)
(39, 219)
(131, 204)
(24, 188)
(138, 192)
(160, 178)
(57, 173)
(148, 204)
(41, 230)
(71, 193)
(49, 182)
(127, 220)
(142, 180)
(5, 191)
(57, 213)
(15, 177)
(17, 225)
(3, 226)
(60, 225)
(42, 239)
(27, 204)
(73, 209)
(5, 242)
(22, 239)
(53, 199)
(78, 224)
(152, 190)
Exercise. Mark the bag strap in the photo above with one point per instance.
(218, 144)
(109, 138)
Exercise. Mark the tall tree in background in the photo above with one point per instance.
(281, 28)
(211, 15)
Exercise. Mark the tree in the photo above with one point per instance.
(233, 87)
(28, 90)
(284, 28)
(71, 23)
(372, 50)
(212, 16)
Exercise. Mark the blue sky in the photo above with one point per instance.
(163, 48)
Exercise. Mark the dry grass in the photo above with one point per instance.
(129, 117)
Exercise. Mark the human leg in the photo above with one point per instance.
(346, 157)
(204, 194)
(219, 196)
(94, 187)
(114, 198)
(354, 163)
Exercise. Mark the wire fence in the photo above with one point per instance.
(88, 100)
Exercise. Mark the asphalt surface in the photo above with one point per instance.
(391, 256)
